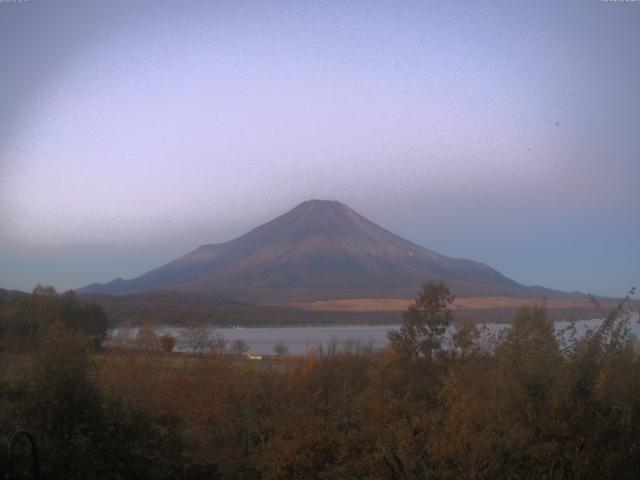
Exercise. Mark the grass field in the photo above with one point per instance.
(470, 303)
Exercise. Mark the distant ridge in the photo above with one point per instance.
(320, 250)
(10, 295)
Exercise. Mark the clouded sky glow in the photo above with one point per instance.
(500, 131)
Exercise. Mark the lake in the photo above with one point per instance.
(299, 340)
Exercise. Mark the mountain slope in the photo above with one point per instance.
(319, 250)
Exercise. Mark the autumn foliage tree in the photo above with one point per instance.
(167, 343)
(425, 323)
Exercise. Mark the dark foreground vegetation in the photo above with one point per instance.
(528, 403)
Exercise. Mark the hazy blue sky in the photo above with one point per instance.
(503, 131)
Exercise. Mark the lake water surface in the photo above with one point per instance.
(299, 340)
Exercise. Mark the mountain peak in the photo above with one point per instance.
(318, 206)
(321, 202)
(312, 218)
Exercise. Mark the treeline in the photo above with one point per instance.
(23, 318)
(529, 402)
